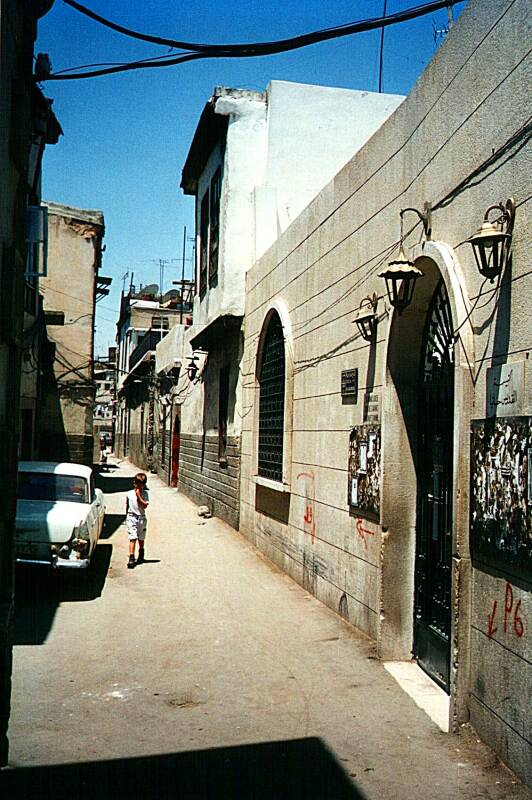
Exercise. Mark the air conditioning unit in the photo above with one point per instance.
(36, 241)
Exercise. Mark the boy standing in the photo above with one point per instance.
(136, 503)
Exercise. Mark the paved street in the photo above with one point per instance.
(208, 646)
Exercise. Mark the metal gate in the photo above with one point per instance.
(432, 600)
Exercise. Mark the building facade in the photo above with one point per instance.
(69, 298)
(145, 319)
(385, 464)
(104, 401)
(18, 177)
(256, 160)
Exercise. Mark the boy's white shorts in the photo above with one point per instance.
(136, 527)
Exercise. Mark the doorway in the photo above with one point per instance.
(176, 443)
(434, 520)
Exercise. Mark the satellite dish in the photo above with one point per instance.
(173, 294)
(152, 290)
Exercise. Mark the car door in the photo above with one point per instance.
(98, 509)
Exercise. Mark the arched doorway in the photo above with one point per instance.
(434, 519)
(176, 443)
(427, 406)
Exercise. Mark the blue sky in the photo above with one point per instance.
(127, 135)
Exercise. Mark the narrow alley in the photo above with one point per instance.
(207, 645)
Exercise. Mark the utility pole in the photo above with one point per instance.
(183, 273)
(183, 282)
(381, 54)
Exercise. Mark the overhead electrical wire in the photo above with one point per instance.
(196, 50)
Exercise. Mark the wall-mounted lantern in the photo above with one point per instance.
(401, 274)
(192, 367)
(366, 317)
(491, 244)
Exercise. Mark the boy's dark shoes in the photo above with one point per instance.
(131, 562)
(140, 559)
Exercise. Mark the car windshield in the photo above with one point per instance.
(51, 487)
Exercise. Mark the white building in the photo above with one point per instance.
(256, 160)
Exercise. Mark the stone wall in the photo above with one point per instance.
(205, 481)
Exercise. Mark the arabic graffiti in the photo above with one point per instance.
(363, 532)
(309, 518)
(504, 389)
(501, 531)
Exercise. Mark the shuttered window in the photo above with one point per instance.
(204, 243)
(271, 402)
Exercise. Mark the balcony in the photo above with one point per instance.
(147, 344)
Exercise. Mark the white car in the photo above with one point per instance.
(60, 514)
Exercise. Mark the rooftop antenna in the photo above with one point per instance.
(124, 277)
(439, 34)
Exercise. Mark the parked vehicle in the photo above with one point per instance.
(60, 514)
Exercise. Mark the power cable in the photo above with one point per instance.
(249, 50)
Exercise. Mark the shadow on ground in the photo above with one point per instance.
(290, 770)
(111, 525)
(39, 591)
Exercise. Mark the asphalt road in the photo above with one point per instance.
(206, 672)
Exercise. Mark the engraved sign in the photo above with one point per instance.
(504, 389)
(349, 384)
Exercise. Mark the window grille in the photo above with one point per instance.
(271, 402)
(160, 323)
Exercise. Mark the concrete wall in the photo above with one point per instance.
(458, 142)
(74, 254)
(312, 132)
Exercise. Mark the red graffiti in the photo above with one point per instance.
(509, 607)
(309, 523)
(492, 628)
(363, 532)
(508, 604)
(519, 628)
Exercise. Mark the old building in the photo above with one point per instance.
(45, 130)
(70, 290)
(256, 160)
(23, 126)
(386, 437)
(145, 318)
(104, 401)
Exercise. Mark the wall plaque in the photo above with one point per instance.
(349, 384)
(504, 388)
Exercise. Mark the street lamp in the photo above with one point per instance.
(366, 317)
(401, 274)
(491, 244)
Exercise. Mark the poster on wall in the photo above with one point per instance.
(363, 493)
(501, 497)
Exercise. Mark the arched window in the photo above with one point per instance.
(271, 401)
